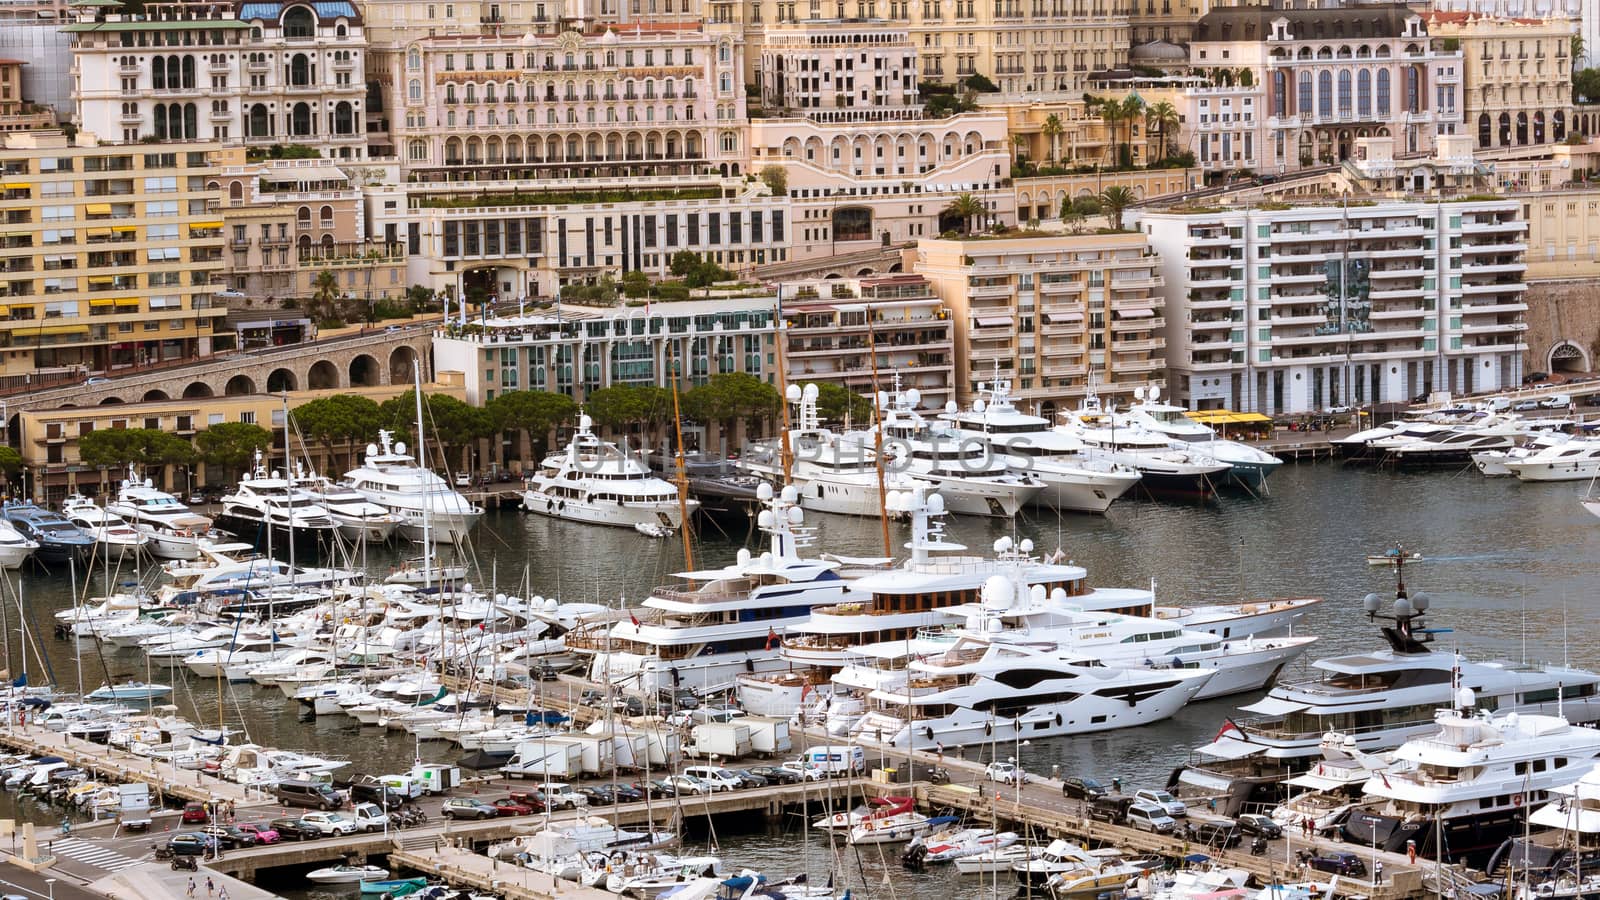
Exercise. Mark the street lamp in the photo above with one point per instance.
(50, 885)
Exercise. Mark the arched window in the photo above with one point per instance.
(158, 74)
(260, 124)
(344, 119)
(300, 70)
(1280, 92)
(1413, 90)
(302, 217)
(413, 59)
(1325, 94)
(724, 53)
(1304, 107)
(1344, 93)
(418, 150)
(1382, 108)
(161, 121)
(235, 191)
(191, 122)
(299, 23)
(1364, 94)
(449, 93)
(188, 72)
(300, 120)
(414, 90)
(325, 218)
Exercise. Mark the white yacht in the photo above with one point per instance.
(1575, 460)
(1449, 448)
(15, 548)
(834, 473)
(1161, 466)
(599, 483)
(357, 518)
(1072, 481)
(1381, 698)
(1248, 466)
(1470, 782)
(1495, 463)
(268, 500)
(1325, 793)
(978, 691)
(174, 529)
(429, 509)
(973, 480)
(1369, 443)
(716, 623)
(114, 538)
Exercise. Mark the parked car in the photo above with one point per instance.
(749, 779)
(1556, 401)
(531, 799)
(679, 698)
(775, 774)
(370, 789)
(561, 796)
(591, 697)
(688, 784)
(195, 813)
(596, 794)
(1166, 801)
(1592, 399)
(1005, 773)
(97, 379)
(1214, 831)
(1524, 405)
(1532, 377)
(1258, 824)
(625, 793)
(628, 705)
(293, 829)
(1149, 817)
(655, 788)
(468, 808)
(506, 806)
(230, 837)
(802, 772)
(1077, 787)
(265, 834)
(1338, 862)
(328, 823)
(192, 843)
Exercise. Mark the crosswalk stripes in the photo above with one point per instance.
(92, 854)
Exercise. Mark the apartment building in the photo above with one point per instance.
(30, 31)
(17, 113)
(839, 71)
(1318, 80)
(533, 237)
(1518, 75)
(576, 350)
(834, 328)
(108, 256)
(260, 72)
(1061, 315)
(1292, 309)
(649, 99)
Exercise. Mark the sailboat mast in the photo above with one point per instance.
(683, 478)
(786, 447)
(877, 412)
(422, 462)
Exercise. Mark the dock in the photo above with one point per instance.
(463, 868)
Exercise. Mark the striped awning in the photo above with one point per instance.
(1063, 317)
(1137, 312)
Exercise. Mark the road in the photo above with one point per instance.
(17, 881)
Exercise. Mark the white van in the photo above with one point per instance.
(719, 778)
(834, 759)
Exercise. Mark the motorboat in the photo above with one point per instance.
(1369, 443)
(1452, 448)
(1471, 782)
(357, 518)
(1322, 797)
(874, 808)
(428, 507)
(896, 829)
(346, 874)
(1494, 463)
(173, 528)
(1381, 698)
(267, 500)
(1056, 858)
(957, 842)
(1574, 460)
(130, 690)
(972, 480)
(1162, 467)
(1073, 481)
(393, 887)
(59, 540)
(716, 623)
(995, 861)
(599, 483)
(114, 537)
(1248, 466)
(15, 547)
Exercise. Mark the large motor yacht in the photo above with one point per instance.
(429, 509)
(973, 480)
(357, 518)
(1248, 466)
(174, 529)
(269, 501)
(1574, 460)
(59, 540)
(717, 623)
(599, 483)
(1072, 481)
(114, 536)
(1381, 699)
(15, 547)
(1470, 783)
(1162, 467)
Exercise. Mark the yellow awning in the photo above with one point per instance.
(124, 229)
(128, 301)
(102, 302)
(194, 225)
(1226, 417)
(97, 232)
(61, 329)
(98, 209)
(17, 186)
(100, 279)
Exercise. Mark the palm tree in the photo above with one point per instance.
(1132, 111)
(323, 294)
(1114, 200)
(1017, 143)
(966, 207)
(1111, 114)
(1162, 117)
(1578, 50)
(1052, 130)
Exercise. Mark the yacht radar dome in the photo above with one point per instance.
(950, 406)
(743, 556)
(400, 447)
(764, 520)
(1138, 393)
(793, 393)
(1036, 593)
(1027, 545)
(1466, 698)
(372, 449)
(764, 491)
(810, 392)
(1155, 392)
(1403, 608)
(1058, 595)
(585, 423)
(997, 592)
(935, 505)
(978, 406)
(790, 494)
(796, 515)
(1002, 545)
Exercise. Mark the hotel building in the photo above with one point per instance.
(834, 328)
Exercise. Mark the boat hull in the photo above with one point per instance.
(619, 515)
(1086, 492)
(441, 528)
(255, 531)
(1579, 470)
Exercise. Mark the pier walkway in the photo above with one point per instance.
(463, 868)
(103, 761)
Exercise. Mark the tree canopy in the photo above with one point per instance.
(10, 460)
(696, 271)
(451, 423)
(532, 411)
(232, 446)
(627, 405)
(731, 396)
(117, 447)
(340, 417)
(835, 403)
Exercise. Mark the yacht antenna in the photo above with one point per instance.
(877, 411)
(422, 461)
(785, 447)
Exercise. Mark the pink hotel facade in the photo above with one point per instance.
(1320, 79)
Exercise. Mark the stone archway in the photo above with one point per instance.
(198, 389)
(280, 380)
(108, 401)
(155, 395)
(322, 376)
(1567, 356)
(401, 360)
(239, 385)
(364, 372)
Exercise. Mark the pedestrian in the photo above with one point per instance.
(940, 749)
(1377, 871)
(223, 895)
(191, 887)
(1211, 804)
(211, 888)
(1411, 852)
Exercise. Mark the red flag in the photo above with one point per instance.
(772, 638)
(634, 619)
(1385, 779)
(1229, 728)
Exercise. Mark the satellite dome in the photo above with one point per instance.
(1421, 601)
(1466, 698)
(743, 556)
(1036, 593)
(585, 422)
(997, 592)
(764, 520)
(935, 505)
(913, 397)
(372, 449)
(979, 406)
(400, 447)
(950, 407)
(1002, 545)
(790, 494)
(1027, 545)
(793, 393)
(810, 392)
(796, 515)
(1059, 595)
(764, 491)
(1403, 608)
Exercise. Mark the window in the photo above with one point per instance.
(1325, 94)
(1383, 93)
